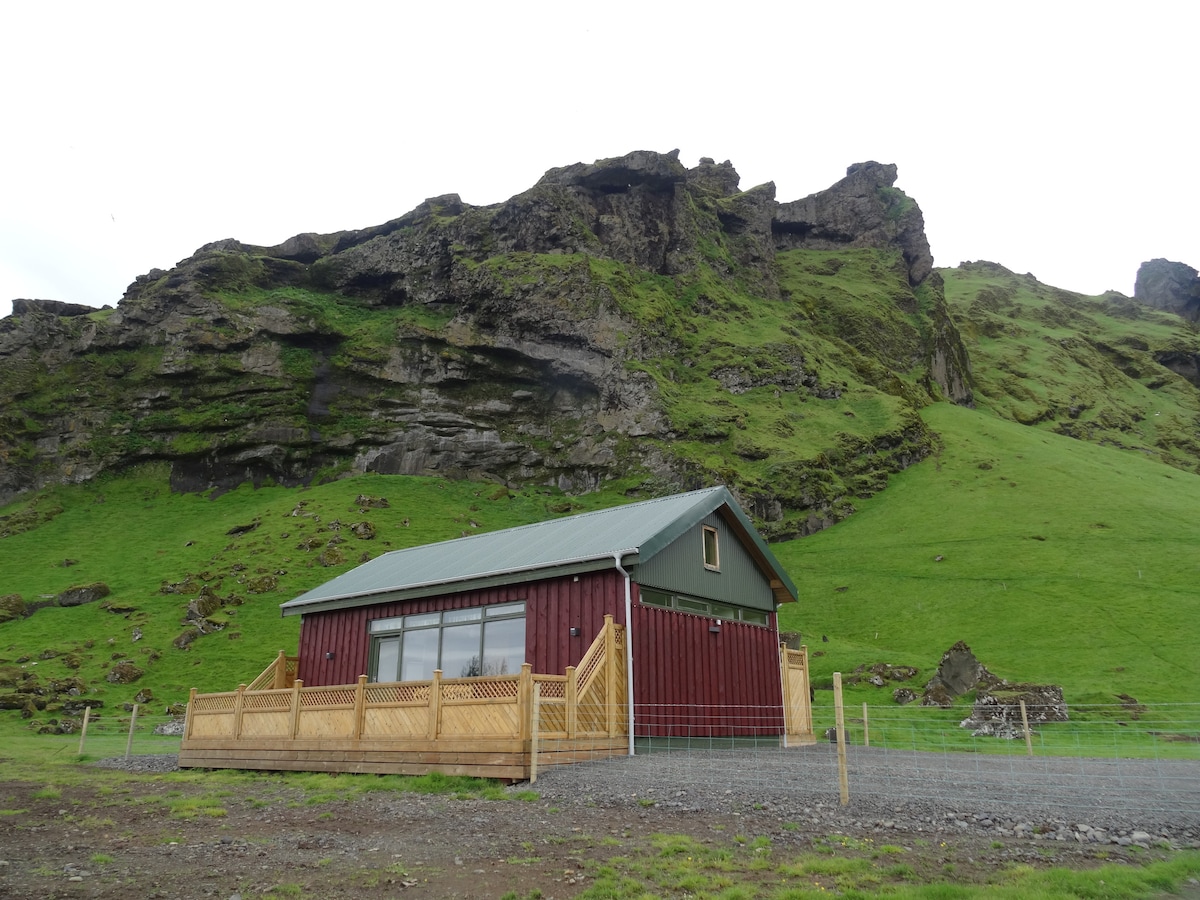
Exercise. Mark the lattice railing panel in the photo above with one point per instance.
(311, 697)
(267, 700)
(204, 703)
(553, 687)
(406, 692)
(491, 689)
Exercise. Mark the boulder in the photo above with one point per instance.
(1170, 286)
(81, 594)
(958, 673)
(124, 672)
(997, 710)
(12, 606)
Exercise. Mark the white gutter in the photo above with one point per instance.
(628, 638)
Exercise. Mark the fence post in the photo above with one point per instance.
(525, 700)
(435, 703)
(238, 701)
(294, 727)
(280, 670)
(87, 714)
(189, 718)
(533, 732)
(360, 706)
(572, 703)
(1025, 725)
(132, 725)
(840, 719)
(610, 675)
(866, 728)
(785, 677)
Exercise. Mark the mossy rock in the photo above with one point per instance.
(185, 639)
(264, 584)
(12, 606)
(81, 594)
(124, 672)
(331, 556)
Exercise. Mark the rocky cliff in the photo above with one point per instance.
(1170, 286)
(619, 319)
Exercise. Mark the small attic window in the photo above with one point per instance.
(712, 558)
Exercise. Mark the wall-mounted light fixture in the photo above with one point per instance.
(574, 631)
(715, 628)
(329, 655)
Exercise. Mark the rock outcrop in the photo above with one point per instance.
(510, 342)
(864, 209)
(1169, 286)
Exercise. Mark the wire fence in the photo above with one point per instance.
(1103, 764)
(103, 734)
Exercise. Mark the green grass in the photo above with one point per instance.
(1077, 365)
(678, 865)
(161, 539)
(1060, 561)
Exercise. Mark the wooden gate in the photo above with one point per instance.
(797, 696)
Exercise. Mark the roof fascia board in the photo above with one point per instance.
(483, 580)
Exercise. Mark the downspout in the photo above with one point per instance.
(628, 640)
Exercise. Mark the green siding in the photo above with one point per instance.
(679, 567)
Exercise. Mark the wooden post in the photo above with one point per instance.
(294, 722)
(840, 719)
(189, 717)
(611, 666)
(525, 700)
(533, 732)
(435, 703)
(805, 693)
(281, 670)
(87, 714)
(360, 706)
(237, 711)
(132, 725)
(785, 682)
(1025, 725)
(866, 728)
(572, 703)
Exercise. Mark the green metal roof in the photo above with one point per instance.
(579, 543)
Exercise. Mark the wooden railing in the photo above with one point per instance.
(414, 725)
(279, 674)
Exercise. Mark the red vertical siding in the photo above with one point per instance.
(552, 607)
(691, 681)
(688, 680)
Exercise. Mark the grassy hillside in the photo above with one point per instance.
(1062, 560)
(156, 550)
(1054, 559)
(1086, 367)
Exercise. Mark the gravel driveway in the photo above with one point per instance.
(1076, 799)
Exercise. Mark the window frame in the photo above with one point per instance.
(397, 627)
(698, 606)
(712, 561)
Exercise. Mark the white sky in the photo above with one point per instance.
(1052, 137)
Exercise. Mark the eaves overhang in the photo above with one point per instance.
(475, 581)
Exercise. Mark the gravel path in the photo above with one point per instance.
(1120, 801)
(1086, 800)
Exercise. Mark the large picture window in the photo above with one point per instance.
(482, 640)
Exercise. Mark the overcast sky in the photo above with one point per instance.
(1055, 138)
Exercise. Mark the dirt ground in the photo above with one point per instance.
(150, 838)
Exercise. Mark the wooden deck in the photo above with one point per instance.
(496, 727)
(504, 727)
